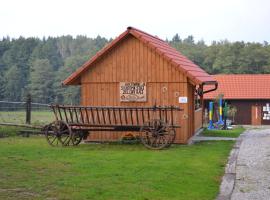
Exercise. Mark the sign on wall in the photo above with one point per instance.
(266, 112)
(183, 99)
(132, 92)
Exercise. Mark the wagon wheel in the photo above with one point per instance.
(58, 133)
(64, 132)
(172, 136)
(77, 137)
(51, 135)
(156, 134)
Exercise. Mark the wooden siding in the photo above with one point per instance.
(198, 119)
(132, 61)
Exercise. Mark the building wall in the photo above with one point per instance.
(243, 115)
(244, 111)
(132, 61)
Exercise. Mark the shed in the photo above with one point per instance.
(139, 60)
(249, 93)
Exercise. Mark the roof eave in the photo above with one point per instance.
(71, 80)
(210, 82)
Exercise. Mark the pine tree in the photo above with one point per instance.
(13, 84)
(41, 81)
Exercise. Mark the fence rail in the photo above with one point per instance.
(25, 113)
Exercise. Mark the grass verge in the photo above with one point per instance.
(31, 169)
(8, 131)
(234, 133)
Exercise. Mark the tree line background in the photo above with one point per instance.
(37, 66)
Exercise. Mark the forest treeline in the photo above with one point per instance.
(37, 66)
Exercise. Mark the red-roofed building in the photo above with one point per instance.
(137, 57)
(249, 93)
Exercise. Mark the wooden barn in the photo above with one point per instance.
(249, 93)
(138, 69)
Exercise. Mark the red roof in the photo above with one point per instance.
(193, 71)
(242, 86)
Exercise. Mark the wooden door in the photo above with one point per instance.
(256, 117)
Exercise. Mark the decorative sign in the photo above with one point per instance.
(266, 112)
(132, 92)
(183, 99)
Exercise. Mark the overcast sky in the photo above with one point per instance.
(235, 20)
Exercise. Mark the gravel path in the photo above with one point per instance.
(252, 181)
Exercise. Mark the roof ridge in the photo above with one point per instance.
(132, 28)
(160, 46)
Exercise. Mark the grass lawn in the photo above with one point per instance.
(31, 169)
(224, 133)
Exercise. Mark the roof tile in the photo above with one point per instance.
(242, 86)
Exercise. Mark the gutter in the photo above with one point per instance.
(210, 83)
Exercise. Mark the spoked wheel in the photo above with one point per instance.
(51, 135)
(77, 137)
(58, 133)
(172, 137)
(156, 134)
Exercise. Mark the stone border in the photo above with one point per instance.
(228, 180)
(198, 132)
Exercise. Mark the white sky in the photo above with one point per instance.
(236, 20)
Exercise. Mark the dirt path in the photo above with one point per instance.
(252, 179)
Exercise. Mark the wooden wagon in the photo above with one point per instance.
(156, 125)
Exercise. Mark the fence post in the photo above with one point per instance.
(28, 109)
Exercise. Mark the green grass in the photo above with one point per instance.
(11, 131)
(235, 132)
(18, 117)
(31, 169)
(7, 131)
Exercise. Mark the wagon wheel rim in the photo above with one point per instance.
(172, 135)
(64, 132)
(51, 135)
(156, 134)
(77, 138)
